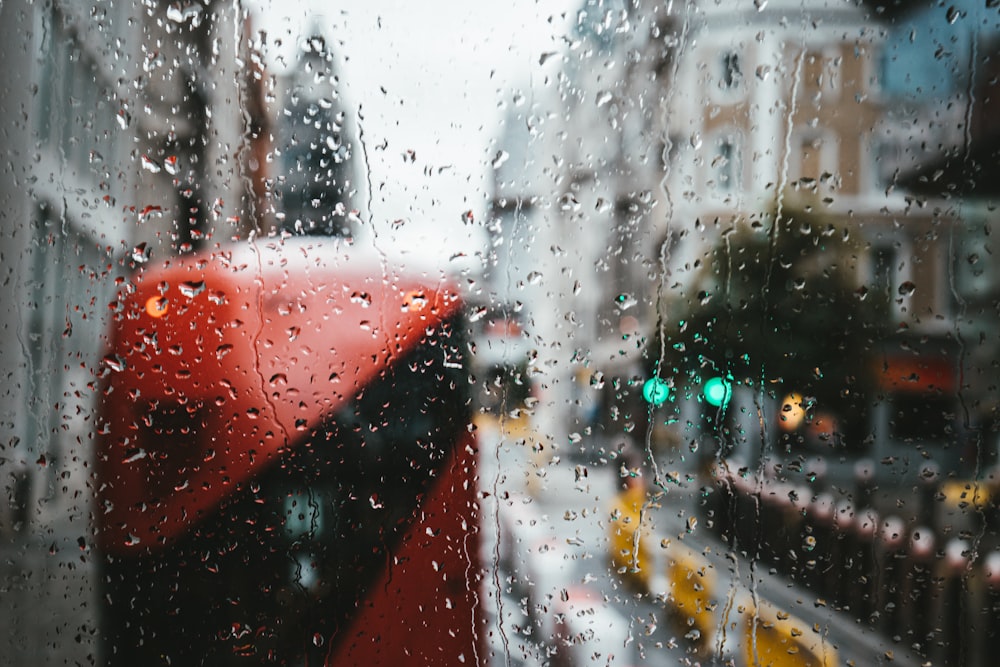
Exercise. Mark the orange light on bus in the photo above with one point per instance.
(414, 301)
(156, 306)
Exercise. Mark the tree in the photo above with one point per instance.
(778, 302)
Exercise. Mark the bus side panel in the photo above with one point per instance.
(427, 607)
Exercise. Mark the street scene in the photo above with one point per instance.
(584, 578)
(576, 332)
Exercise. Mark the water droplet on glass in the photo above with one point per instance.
(500, 158)
(534, 278)
(363, 298)
(953, 14)
(192, 288)
(141, 253)
(568, 202)
(907, 288)
(149, 212)
(625, 301)
(760, 4)
(183, 14)
(150, 165)
(170, 164)
(133, 455)
(114, 362)
(695, 141)
(414, 301)
(603, 98)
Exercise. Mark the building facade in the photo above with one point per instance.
(129, 136)
(666, 129)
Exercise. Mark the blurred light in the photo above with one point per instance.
(414, 301)
(628, 325)
(792, 412)
(656, 391)
(156, 306)
(717, 392)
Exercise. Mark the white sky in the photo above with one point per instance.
(429, 78)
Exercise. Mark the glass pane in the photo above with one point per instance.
(560, 333)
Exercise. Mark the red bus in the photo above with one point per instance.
(286, 472)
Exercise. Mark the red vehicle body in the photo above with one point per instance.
(286, 472)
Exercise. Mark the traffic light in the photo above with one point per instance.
(717, 391)
(656, 391)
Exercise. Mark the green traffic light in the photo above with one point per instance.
(656, 391)
(717, 391)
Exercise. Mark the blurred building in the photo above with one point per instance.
(942, 64)
(318, 182)
(130, 133)
(782, 107)
(570, 244)
(668, 126)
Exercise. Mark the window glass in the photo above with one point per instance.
(567, 332)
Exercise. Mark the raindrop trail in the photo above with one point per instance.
(256, 337)
(23, 333)
(783, 176)
(727, 610)
(970, 99)
(495, 482)
(370, 196)
(759, 398)
(661, 320)
(772, 242)
(369, 205)
(243, 147)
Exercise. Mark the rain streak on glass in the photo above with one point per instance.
(574, 332)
